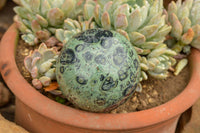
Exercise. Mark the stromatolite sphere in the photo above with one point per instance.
(97, 70)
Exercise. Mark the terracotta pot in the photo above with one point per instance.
(39, 114)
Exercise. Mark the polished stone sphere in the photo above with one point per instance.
(98, 70)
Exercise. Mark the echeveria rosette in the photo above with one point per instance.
(184, 18)
(38, 19)
(98, 70)
(41, 65)
(142, 22)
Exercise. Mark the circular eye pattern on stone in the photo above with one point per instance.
(132, 77)
(79, 47)
(68, 57)
(88, 56)
(122, 75)
(62, 69)
(100, 59)
(109, 83)
(136, 64)
(81, 80)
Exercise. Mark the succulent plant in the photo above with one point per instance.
(72, 27)
(38, 19)
(41, 64)
(142, 22)
(185, 21)
(97, 70)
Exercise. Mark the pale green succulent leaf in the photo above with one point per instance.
(194, 14)
(149, 45)
(137, 38)
(188, 3)
(45, 80)
(163, 75)
(124, 33)
(121, 22)
(22, 12)
(29, 38)
(68, 24)
(88, 11)
(35, 5)
(55, 17)
(186, 23)
(105, 21)
(134, 21)
(149, 31)
(41, 20)
(157, 52)
(35, 26)
(183, 12)
(179, 67)
(51, 73)
(97, 14)
(45, 7)
(68, 6)
(177, 28)
(196, 29)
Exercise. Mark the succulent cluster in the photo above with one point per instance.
(38, 19)
(142, 22)
(41, 64)
(185, 21)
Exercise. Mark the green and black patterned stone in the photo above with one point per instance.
(98, 70)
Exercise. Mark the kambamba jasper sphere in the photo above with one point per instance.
(98, 70)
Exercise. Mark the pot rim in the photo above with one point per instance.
(78, 118)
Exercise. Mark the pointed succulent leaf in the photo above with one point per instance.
(28, 62)
(45, 80)
(35, 26)
(35, 61)
(60, 34)
(68, 24)
(68, 6)
(55, 17)
(41, 20)
(172, 8)
(22, 12)
(157, 52)
(137, 38)
(43, 35)
(37, 84)
(45, 7)
(187, 37)
(88, 11)
(29, 38)
(144, 13)
(134, 21)
(105, 21)
(177, 28)
(188, 3)
(149, 31)
(34, 72)
(149, 45)
(194, 14)
(51, 73)
(164, 31)
(21, 26)
(178, 3)
(163, 75)
(35, 5)
(97, 15)
(42, 48)
(196, 29)
(186, 23)
(179, 67)
(124, 33)
(183, 12)
(121, 22)
(154, 9)
(44, 67)
(108, 6)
